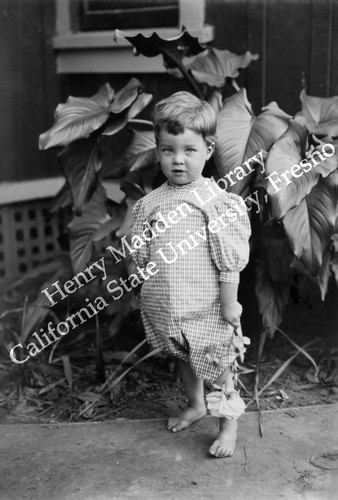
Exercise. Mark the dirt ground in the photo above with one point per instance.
(88, 443)
(66, 388)
(296, 459)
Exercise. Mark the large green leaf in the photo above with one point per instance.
(325, 271)
(309, 286)
(80, 116)
(272, 298)
(62, 199)
(273, 275)
(133, 193)
(183, 45)
(119, 121)
(216, 101)
(319, 114)
(137, 184)
(86, 229)
(241, 135)
(290, 150)
(140, 152)
(213, 66)
(81, 163)
(112, 224)
(126, 96)
(309, 225)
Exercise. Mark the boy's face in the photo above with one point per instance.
(182, 156)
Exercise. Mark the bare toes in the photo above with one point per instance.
(214, 449)
(221, 453)
(220, 450)
(176, 424)
(188, 417)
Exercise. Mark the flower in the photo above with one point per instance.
(230, 405)
(239, 342)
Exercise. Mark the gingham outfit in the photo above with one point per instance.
(180, 304)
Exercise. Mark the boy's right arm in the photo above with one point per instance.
(141, 254)
(230, 307)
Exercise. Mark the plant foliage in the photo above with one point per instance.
(295, 228)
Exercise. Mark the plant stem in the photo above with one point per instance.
(141, 122)
(99, 362)
(187, 75)
(235, 85)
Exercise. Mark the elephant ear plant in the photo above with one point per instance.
(284, 168)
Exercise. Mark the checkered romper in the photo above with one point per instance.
(180, 305)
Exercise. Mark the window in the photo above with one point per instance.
(85, 42)
(127, 14)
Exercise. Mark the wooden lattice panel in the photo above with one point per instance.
(28, 236)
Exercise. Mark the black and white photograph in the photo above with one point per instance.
(168, 249)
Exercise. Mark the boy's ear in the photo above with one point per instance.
(210, 150)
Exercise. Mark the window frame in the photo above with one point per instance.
(97, 51)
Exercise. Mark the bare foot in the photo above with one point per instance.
(224, 446)
(186, 418)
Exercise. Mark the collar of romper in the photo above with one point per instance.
(188, 185)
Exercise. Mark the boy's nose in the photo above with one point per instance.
(178, 159)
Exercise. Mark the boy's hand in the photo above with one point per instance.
(232, 313)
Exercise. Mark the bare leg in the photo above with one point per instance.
(224, 445)
(194, 388)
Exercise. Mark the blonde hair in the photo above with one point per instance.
(184, 110)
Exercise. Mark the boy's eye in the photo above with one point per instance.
(190, 150)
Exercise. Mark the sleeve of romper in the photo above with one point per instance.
(230, 244)
(141, 255)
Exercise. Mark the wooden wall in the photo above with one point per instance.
(29, 88)
(297, 41)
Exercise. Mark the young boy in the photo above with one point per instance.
(195, 238)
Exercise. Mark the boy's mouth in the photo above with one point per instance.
(178, 171)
